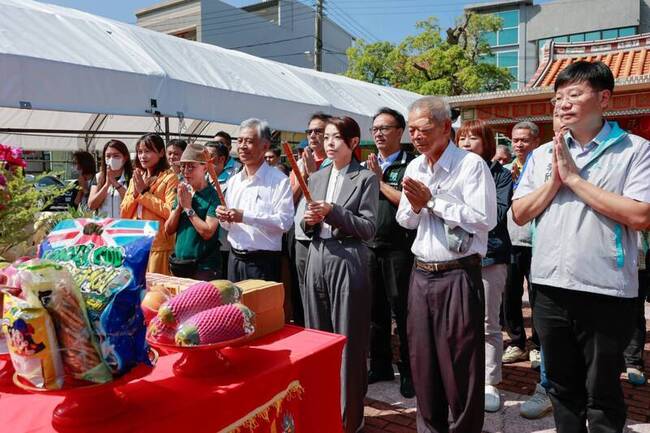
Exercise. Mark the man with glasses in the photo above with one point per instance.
(449, 197)
(390, 260)
(272, 157)
(588, 192)
(313, 158)
(259, 209)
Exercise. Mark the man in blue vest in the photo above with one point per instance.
(587, 193)
(390, 260)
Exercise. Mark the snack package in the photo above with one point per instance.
(108, 260)
(32, 343)
(51, 285)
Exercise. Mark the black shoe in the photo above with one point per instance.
(406, 387)
(380, 376)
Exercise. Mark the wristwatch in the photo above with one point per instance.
(189, 212)
(430, 204)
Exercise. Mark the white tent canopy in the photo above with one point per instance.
(69, 77)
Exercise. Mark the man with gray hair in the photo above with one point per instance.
(525, 139)
(450, 199)
(260, 208)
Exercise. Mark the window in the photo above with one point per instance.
(627, 31)
(509, 33)
(592, 36)
(490, 38)
(580, 37)
(505, 59)
(561, 39)
(608, 34)
(509, 36)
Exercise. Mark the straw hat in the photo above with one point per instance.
(194, 153)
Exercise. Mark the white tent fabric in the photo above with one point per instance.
(60, 68)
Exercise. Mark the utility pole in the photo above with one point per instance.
(318, 39)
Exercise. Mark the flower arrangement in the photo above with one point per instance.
(20, 204)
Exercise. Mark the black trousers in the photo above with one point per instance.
(447, 349)
(583, 336)
(634, 350)
(390, 271)
(257, 266)
(512, 312)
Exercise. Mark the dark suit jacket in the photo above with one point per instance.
(354, 214)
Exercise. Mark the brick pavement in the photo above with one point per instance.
(518, 378)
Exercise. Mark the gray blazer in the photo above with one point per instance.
(354, 214)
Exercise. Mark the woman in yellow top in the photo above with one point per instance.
(151, 195)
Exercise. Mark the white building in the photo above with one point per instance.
(281, 30)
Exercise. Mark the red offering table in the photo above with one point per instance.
(287, 381)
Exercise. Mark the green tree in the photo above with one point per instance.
(367, 62)
(433, 62)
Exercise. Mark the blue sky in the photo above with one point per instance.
(371, 19)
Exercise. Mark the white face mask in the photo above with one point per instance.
(114, 163)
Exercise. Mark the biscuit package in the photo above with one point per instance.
(108, 260)
(32, 343)
(50, 285)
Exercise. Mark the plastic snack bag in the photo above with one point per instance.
(51, 285)
(108, 260)
(32, 343)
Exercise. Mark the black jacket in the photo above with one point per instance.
(498, 250)
(389, 233)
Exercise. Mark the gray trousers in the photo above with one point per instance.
(337, 299)
(494, 282)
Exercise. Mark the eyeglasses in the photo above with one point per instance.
(572, 98)
(189, 167)
(318, 131)
(383, 129)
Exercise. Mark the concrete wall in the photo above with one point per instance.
(173, 17)
(563, 17)
(231, 27)
(644, 27)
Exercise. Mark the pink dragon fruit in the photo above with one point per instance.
(222, 323)
(160, 331)
(198, 297)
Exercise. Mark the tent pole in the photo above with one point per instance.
(166, 129)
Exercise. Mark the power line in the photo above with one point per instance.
(271, 42)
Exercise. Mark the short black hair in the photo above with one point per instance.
(597, 74)
(320, 116)
(276, 151)
(222, 149)
(396, 115)
(181, 144)
(224, 135)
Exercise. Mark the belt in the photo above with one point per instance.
(464, 262)
(253, 253)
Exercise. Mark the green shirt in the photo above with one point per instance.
(189, 244)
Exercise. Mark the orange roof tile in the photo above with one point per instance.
(626, 57)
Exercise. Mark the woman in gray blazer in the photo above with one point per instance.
(337, 285)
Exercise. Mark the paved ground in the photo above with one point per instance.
(387, 411)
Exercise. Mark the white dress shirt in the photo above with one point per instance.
(265, 198)
(333, 189)
(465, 196)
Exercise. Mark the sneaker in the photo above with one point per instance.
(635, 376)
(538, 405)
(492, 399)
(514, 354)
(535, 359)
